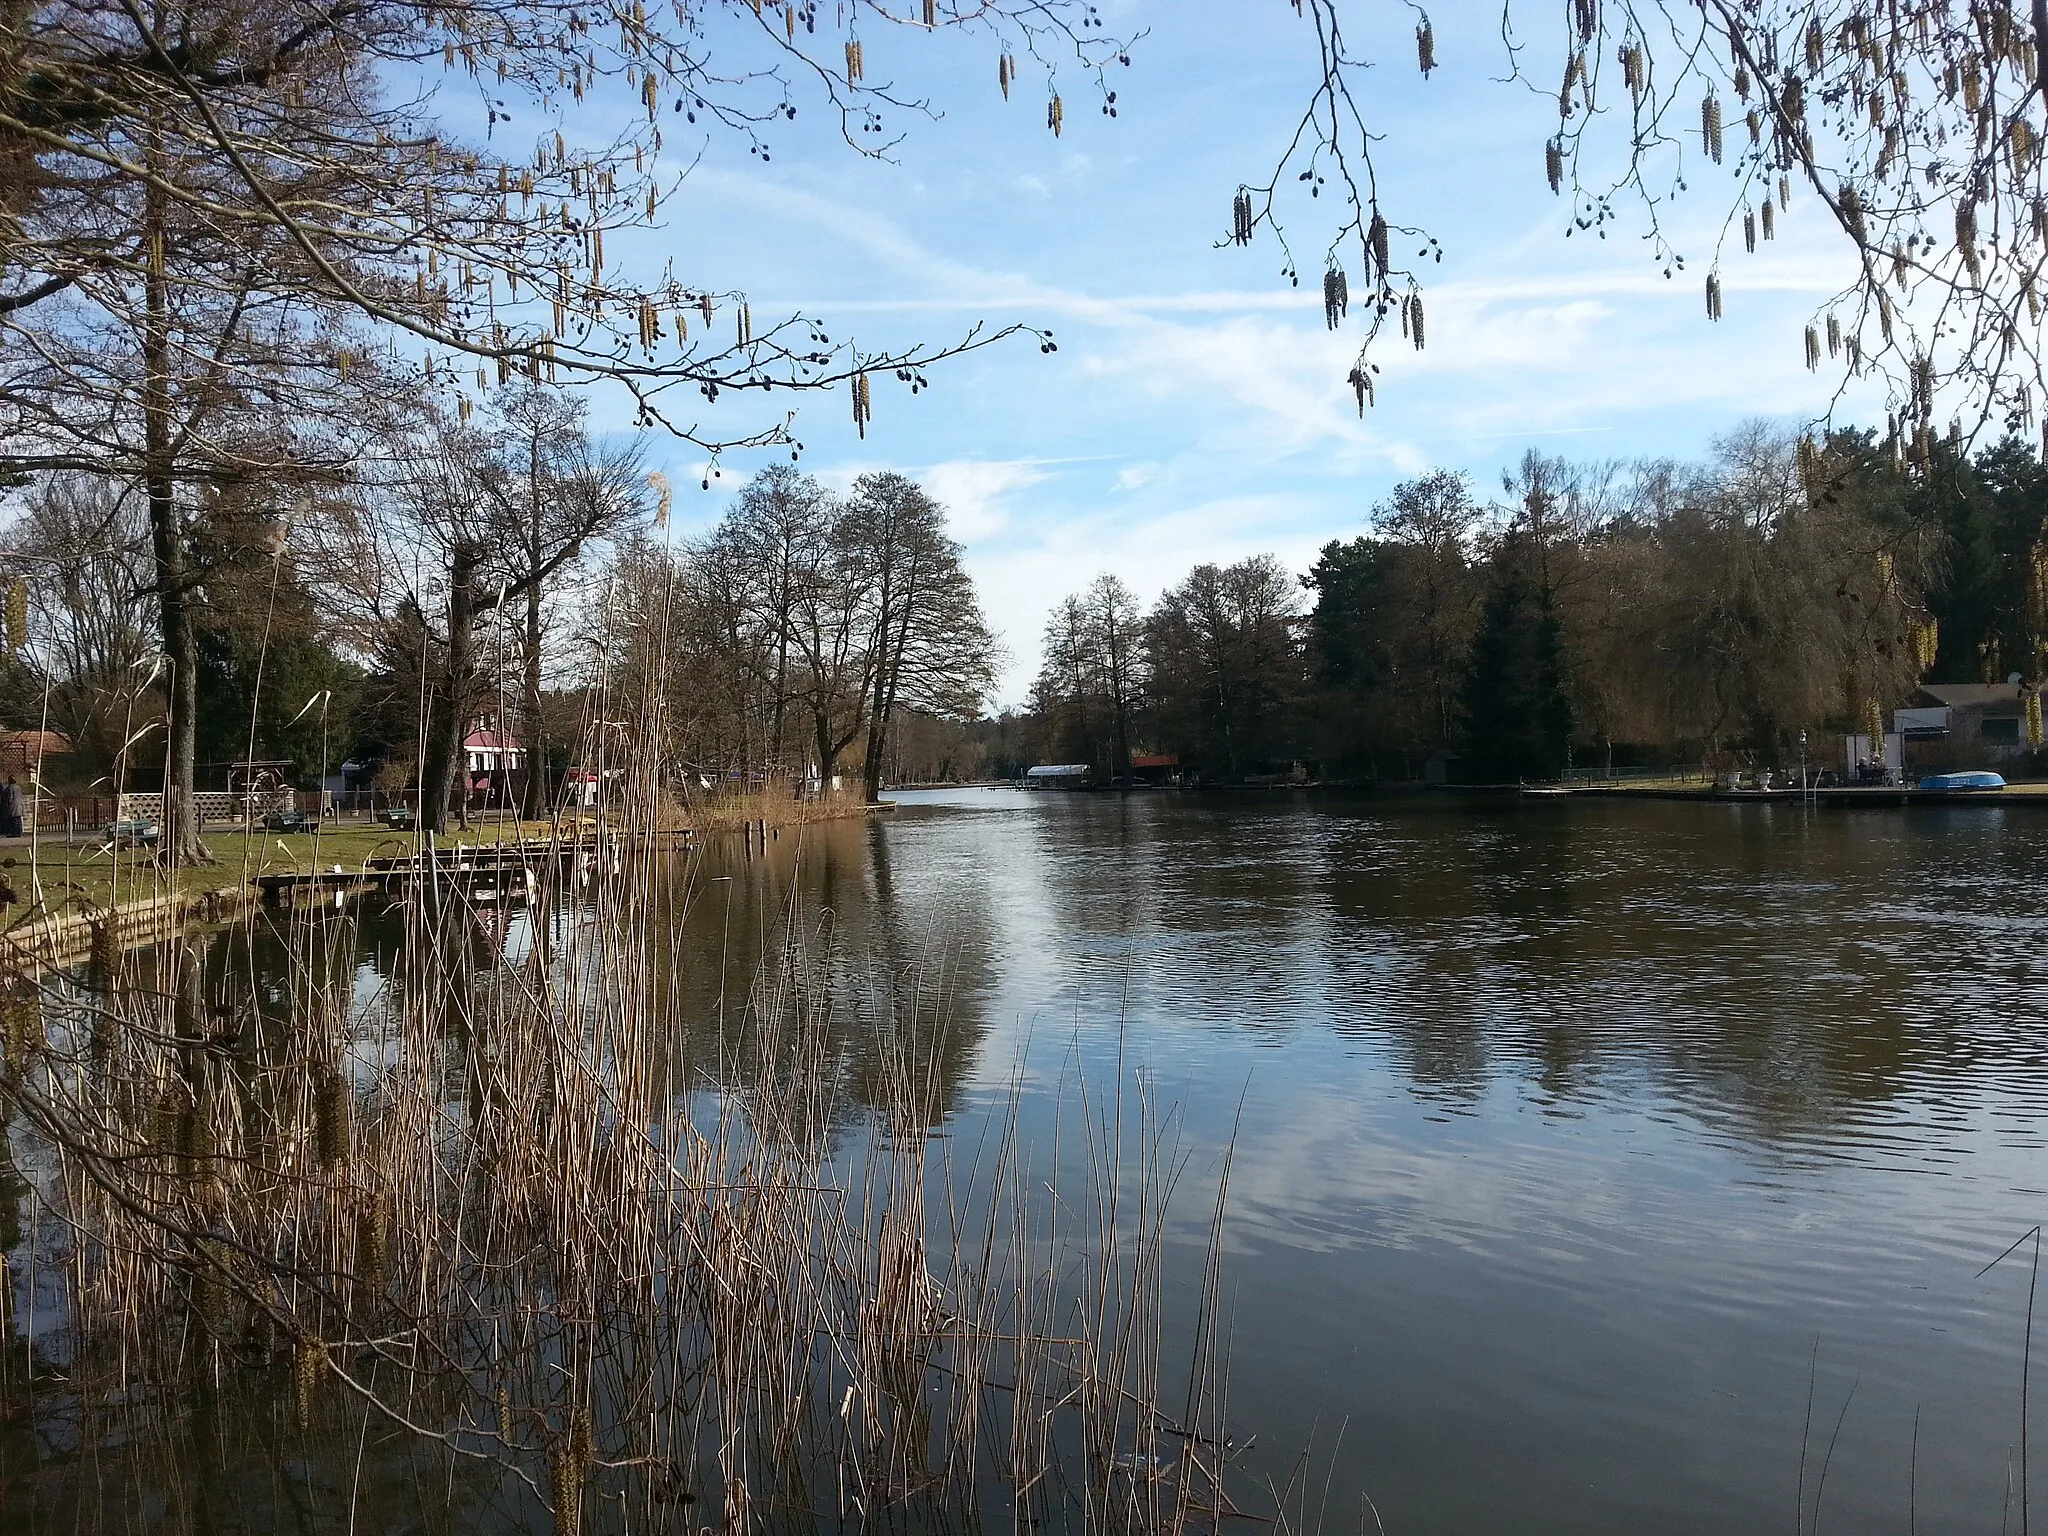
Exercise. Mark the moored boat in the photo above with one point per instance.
(1972, 780)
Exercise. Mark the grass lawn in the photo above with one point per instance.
(66, 877)
(81, 875)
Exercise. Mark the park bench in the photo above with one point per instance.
(399, 818)
(288, 821)
(135, 832)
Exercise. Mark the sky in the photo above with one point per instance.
(1196, 408)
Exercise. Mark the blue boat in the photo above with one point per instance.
(1977, 780)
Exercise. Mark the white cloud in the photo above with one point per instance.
(973, 491)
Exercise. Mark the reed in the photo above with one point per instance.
(513, 1238)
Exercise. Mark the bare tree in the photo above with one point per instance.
(772, 557)
(83, 547)
(1225, 663)
(314, 136)
(1086, 694)
(450, 527)
(1918, 125)
(931, 647)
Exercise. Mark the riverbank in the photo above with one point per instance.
(55, 892)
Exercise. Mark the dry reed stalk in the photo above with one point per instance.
(504, 1209)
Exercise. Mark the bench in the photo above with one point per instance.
(399, 818)
(136, 832)
(288, 821)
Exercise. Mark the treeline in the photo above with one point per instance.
(802, 632)
(1591, 616)
(500, 566)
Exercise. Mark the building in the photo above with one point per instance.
(1058, 776)
(22, 752)
(493, 763)
(1156, 768)
(1947, 726)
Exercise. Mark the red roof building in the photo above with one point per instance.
(22, 752)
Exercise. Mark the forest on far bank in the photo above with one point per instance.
(1587, 617)
(1581, 617)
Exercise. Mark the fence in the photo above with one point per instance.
(212, 805)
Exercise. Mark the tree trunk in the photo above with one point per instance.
(878, 709)
(783, 619)
(179, 837)
(448, 720)
(534, 802)
(828, 756)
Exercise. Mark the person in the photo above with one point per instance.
(10, 808)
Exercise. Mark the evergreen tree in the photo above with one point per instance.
(1517, 696)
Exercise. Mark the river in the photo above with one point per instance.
(1578, 1148)
(1594, 1166)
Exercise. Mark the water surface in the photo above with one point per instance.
(1575, 1145)
(1593, 1166)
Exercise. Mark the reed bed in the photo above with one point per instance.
(486, 1244)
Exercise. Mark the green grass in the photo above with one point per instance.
(76, 876)
(82, 875)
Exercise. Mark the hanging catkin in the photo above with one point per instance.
(1966, 234)
(1553, 164)
(1361, 385)
(1713, 297)
(1710, 127)
(1425, 47)
(17, 615)
(1376, 239)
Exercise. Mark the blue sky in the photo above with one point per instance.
(1196, 408)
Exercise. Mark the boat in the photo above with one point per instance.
(1973, 780)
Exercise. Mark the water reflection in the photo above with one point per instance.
(1564, 1135)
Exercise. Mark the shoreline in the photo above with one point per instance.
(248, 875)
(1841, 795)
